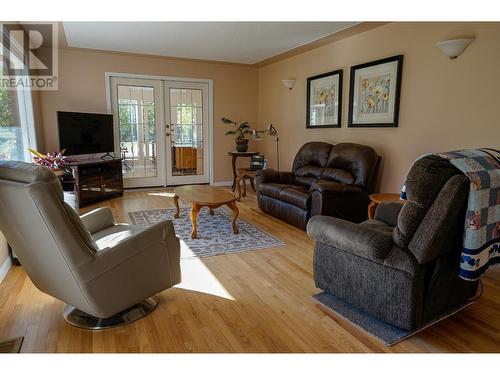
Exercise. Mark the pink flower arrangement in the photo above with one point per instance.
(53, 160)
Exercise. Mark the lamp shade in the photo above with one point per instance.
(454, 48)
(288, 83)
(255, 135)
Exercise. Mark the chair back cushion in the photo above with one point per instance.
(351, 163)
(310, 161)
(425, 181)
(346, 163)
(19, 171)
(35, 222)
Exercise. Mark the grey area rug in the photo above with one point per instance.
(215, 233)
(382, 331)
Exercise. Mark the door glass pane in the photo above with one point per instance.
(137, 122)
(186, 128)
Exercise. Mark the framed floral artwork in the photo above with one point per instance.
(374, 93)
(324, 100)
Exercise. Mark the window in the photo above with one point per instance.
(17, 130)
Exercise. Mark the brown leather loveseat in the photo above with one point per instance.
(330, 180)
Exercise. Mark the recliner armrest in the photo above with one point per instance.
(98, 219)
(354, 238)
(130, 247)
(273, 176)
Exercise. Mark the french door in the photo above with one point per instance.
(187, 133)
(161, 131)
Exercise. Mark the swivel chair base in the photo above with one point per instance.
(80, 319)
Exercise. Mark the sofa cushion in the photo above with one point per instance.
(111, 236)
(312, 154)
(309, 171)
(285, 211)
(338, 175)
(272, 190)
(388, 212)
(297, 196)
(378, 225)
(360, 160)
(305, 181)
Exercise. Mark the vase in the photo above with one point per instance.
(242, 145)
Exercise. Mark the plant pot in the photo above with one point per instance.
(242, 145)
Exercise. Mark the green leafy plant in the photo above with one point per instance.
(241, 130)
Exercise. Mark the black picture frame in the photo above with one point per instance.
(338, 72)
(397, 93)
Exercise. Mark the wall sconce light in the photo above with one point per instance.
(288, 83)
(454, 48)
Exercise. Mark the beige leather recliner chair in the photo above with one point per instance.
(104, 271)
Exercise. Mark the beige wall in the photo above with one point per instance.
(445, 104)
(82, 88)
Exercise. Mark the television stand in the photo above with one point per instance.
(107, 154)
(97, 180)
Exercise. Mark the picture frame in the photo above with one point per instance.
(324, 100)
(374, 93)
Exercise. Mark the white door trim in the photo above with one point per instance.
(5, 267)
(210, 107)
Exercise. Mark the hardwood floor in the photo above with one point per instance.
(255, 301)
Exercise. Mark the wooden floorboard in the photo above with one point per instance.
(255, 301)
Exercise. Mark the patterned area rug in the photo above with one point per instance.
(215, 234)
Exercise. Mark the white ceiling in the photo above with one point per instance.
(238, 42)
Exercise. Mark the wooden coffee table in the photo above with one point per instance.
(205, 196)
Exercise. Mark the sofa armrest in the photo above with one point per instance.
(360, 240)
(388, 212)
(98, 219)
(273, 176)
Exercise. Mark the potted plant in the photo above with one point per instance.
(56, 161)
(241, 130)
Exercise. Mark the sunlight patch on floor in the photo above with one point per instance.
(168, 194)
(197, 277)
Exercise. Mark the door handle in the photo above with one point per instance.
(167, 134)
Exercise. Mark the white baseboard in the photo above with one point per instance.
(4, 268)
(223, 183)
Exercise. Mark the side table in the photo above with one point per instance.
(379, 198)
(235, 155)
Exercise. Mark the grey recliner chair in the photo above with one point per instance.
(402, 266)
(105, 272)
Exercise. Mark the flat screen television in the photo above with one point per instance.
(85, 133)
